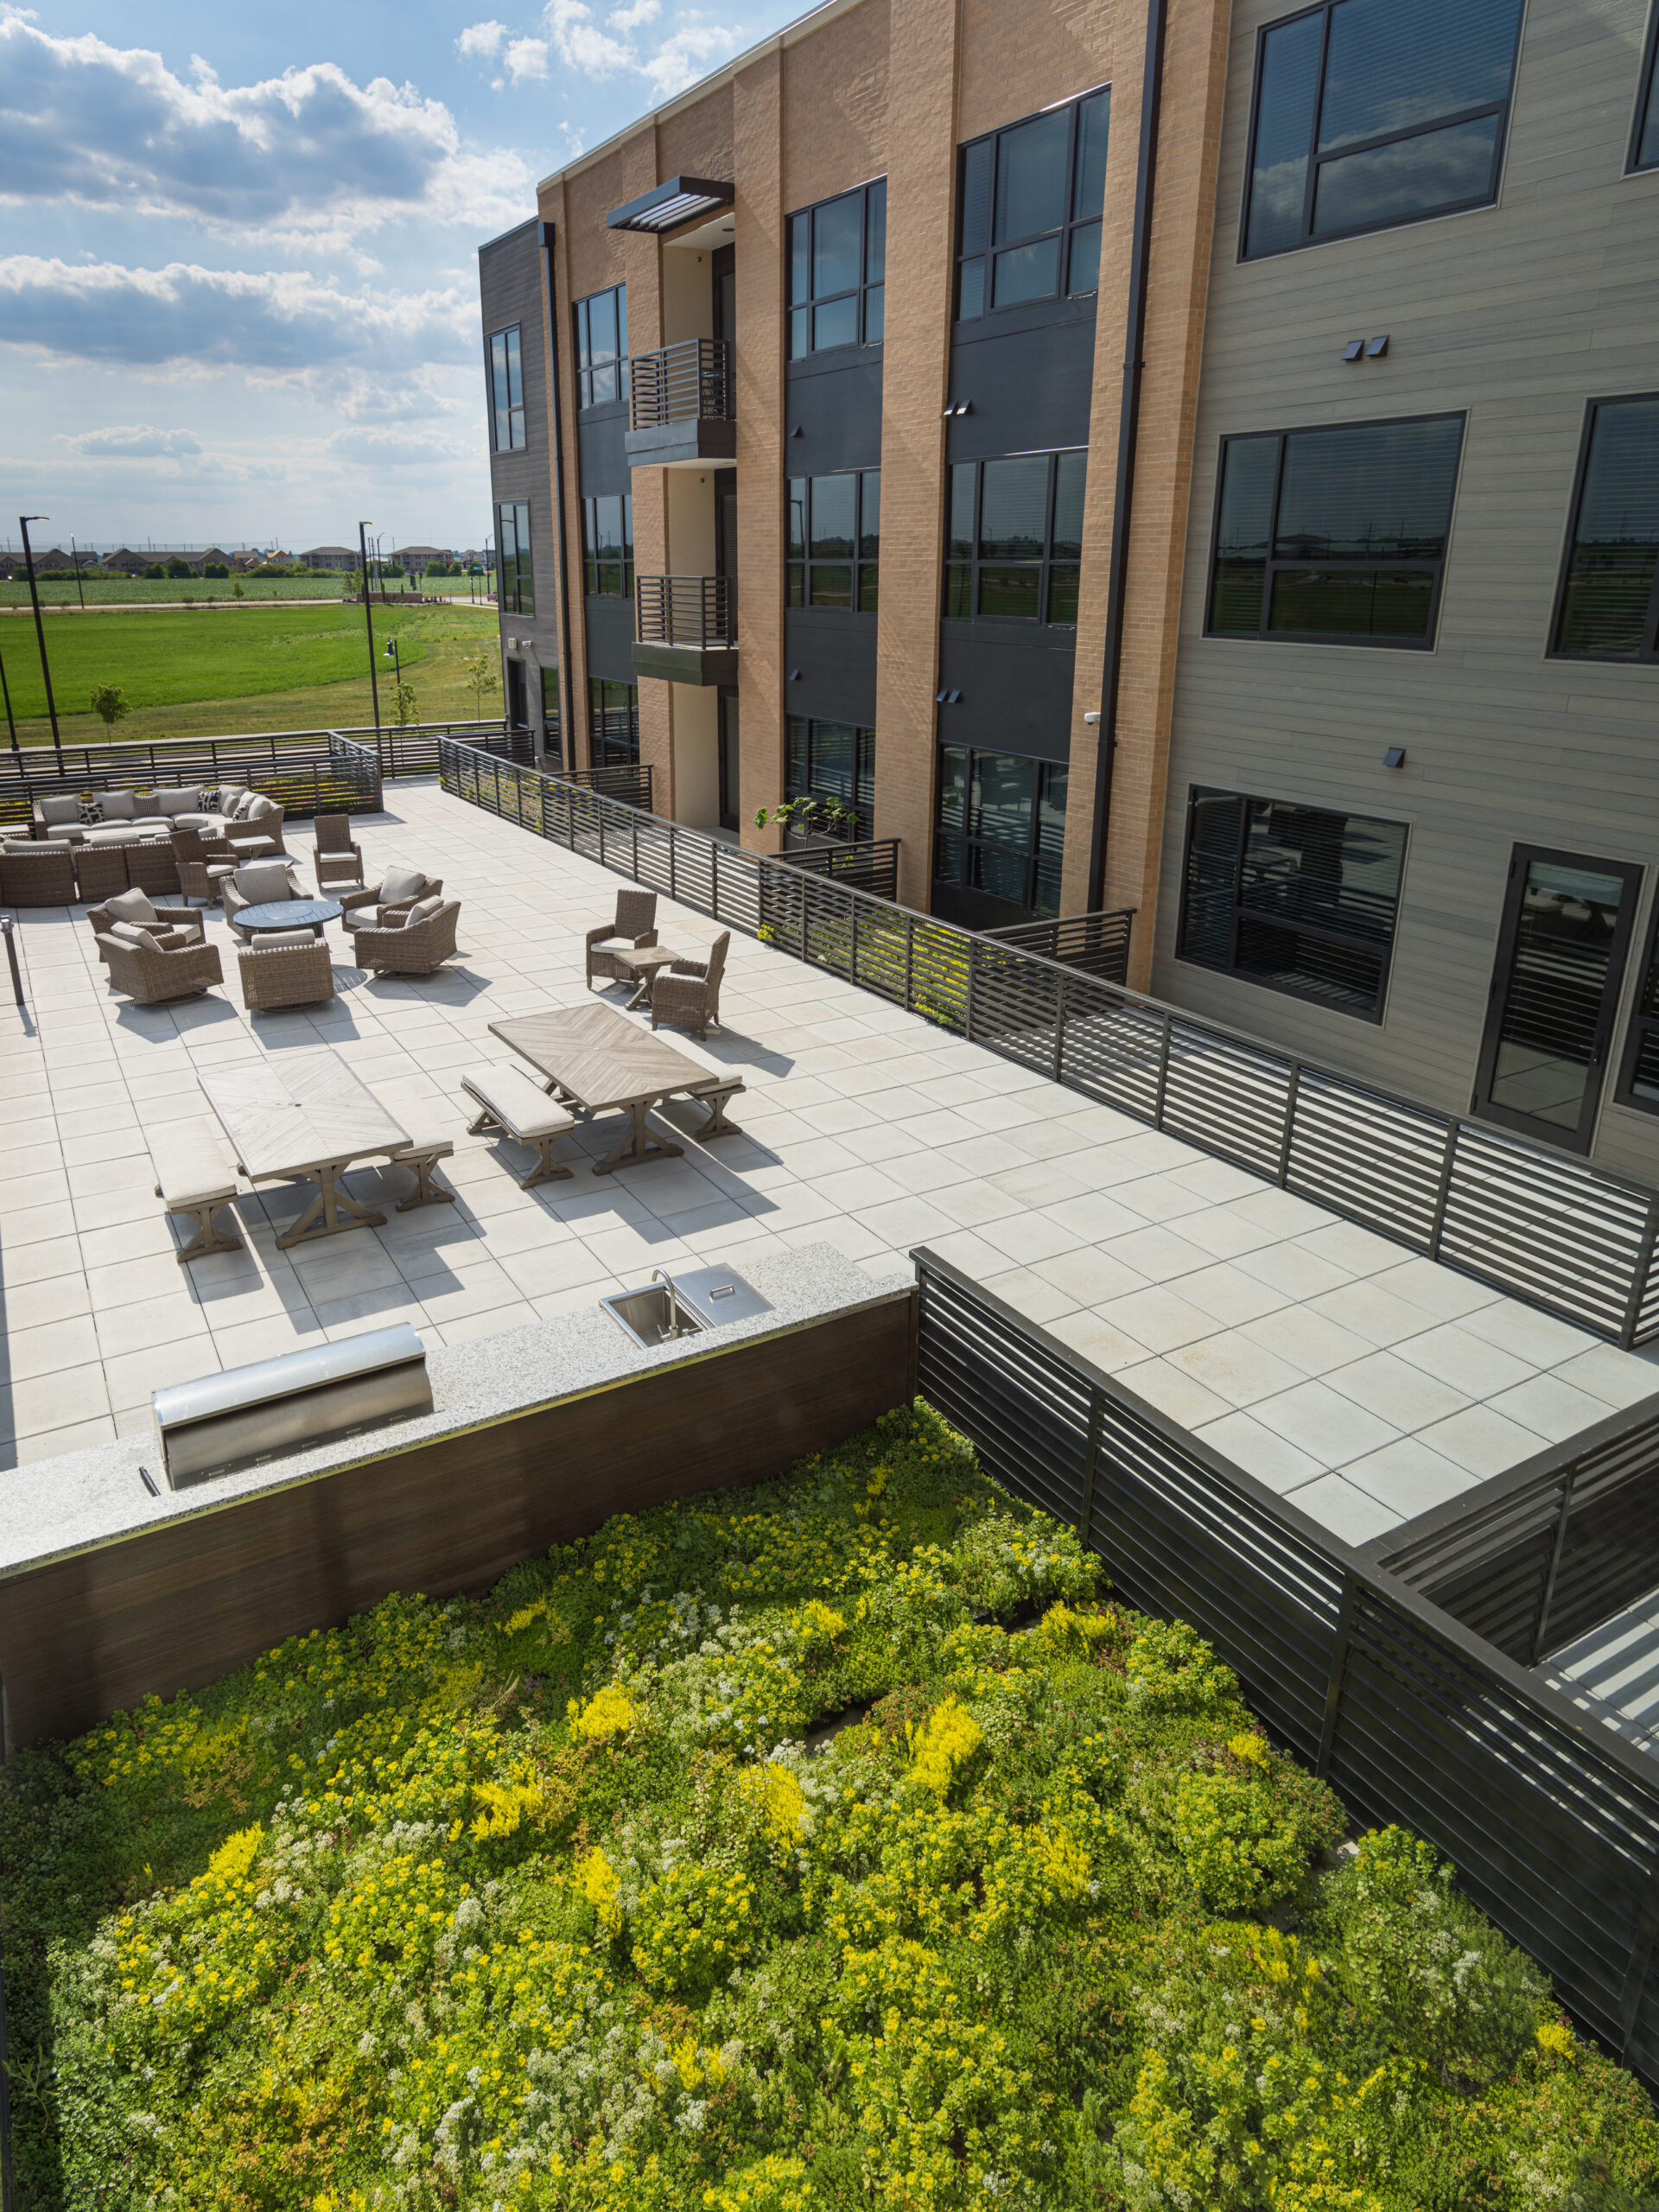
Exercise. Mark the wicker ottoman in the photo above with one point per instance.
(293, 969)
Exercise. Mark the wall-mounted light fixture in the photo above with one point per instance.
(1377, 347)
(1395, 757)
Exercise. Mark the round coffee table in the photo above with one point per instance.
(290, 914)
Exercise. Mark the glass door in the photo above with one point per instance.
(1560, 959)
(729, 760)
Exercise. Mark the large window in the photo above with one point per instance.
(1609, 597)
(834, 762)
(1644, 140)
(837, 265)
(1001, 828)
(835, 540)
(1295, 897)
(607, 547)
(1336, 536)
(613, 724)
(1638, 1081)
(602, 347)
(1029, 201)
(1016, 537)
(506, 390)
(1372, 112)
(512, 567)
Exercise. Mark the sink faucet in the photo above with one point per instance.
(663, 1274)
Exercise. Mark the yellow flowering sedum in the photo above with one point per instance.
(609, 1713)
(943, 1745)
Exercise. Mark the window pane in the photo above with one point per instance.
(800, 261)
(795, 525)
(1436, 168)
(830, 587)
(799, 341)
(875, 231)
(1552, 1009)
(953, 785)
(1011, 592)
(1063, 594)
(868, 588)
(977, 197)
(1284, 126)
(1089, 173)
(1084, 268)
(1070, 474)
(867, 771)
(836, 325)
(947, 859)
(1370, 489)
(1646, 154)
(1031, 177)
(1610, 571)
(869, 517)
(515, 372)
(1051, 813)
(971, 291)
(832, 499)
(834, 759)
(959, 588)
(601, 328)
(1002, 797)
(835, 228)
(1214, 822)
(796, 586)
(1029, 272)
(1394, 63)
(1312, 967)
(963, 479)
(795, 731)
(875, 315)
(608, 516)
(1351, 603)
(1339, 871)
(1013, 515)
(993, 868)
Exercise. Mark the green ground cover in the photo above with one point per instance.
(142, 591)
(542, 1901)
(225, 668)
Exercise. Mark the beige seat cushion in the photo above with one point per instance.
(262, 881)
(61, 808)
(130, 834)
(517, 1102)
(129, 934)
(180, 800)
(136, 906)
(117, 806)
(422, 911)
(266, 938)
(401, 882)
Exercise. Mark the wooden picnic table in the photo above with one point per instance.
(595, 1059)
(306, 1120)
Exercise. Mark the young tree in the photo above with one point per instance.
(402, 703)
(110, 703)
(479, 671)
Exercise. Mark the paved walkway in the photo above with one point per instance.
(1366, 1383)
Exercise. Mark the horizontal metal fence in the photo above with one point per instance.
(325, 773)
(686, 382)
(1098, 944)
(1552, 1822)
(872, 866)
(685, 610)
(142, 765)
(1550, 1230)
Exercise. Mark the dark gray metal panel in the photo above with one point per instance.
(602, 451)
(835, 654)
(663, 443)
(610, 639)
(1028, 385)
(838, 410)
(1015, 686)
(699, 664)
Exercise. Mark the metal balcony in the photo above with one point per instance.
(683, 406)
(686, 628)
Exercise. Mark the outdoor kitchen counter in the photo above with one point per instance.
(53, 1509)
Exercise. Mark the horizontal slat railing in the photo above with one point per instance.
(688, 381)
(685, 610)
(142, 765)
(1098, 944)
(872, 866)
(1556, 1232)
(1552, 1822)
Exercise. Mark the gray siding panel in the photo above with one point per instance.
(510, 291)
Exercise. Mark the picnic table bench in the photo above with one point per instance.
(593, 1058)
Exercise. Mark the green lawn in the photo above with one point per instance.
(138, 591)
(235, 668)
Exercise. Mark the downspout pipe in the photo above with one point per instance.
(568, 735)
(1128, 432)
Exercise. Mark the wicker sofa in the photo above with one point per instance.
(36, 875)
(247, 817)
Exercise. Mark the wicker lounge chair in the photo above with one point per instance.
(286, 968)
(260, 883)
(154, 977)
(687, 995)
(376, 905)
(203, 863)
(170, 926)
(38, 875)
(338, 861)
(635, 925)
(417, 946)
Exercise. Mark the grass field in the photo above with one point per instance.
(141, 591)
(212, 670)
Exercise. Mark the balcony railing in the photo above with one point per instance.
(686, 610)
(691, 382)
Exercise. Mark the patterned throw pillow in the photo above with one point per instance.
(91, 810)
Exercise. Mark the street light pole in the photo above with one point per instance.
(368, 617)
(74, 563)
(23, 521)
(11, 725)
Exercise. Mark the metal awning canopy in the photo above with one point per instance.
(666, 207)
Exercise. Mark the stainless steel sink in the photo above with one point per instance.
(652, 1316)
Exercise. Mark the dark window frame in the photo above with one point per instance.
(587, 377)
(865, 308)
(1648, 653)
(552, 717)
(601, 743)
(1045, 565)
(1031, 855)
(1354, 565)
(1310, 188)
(511, 338)
(593, 571)
(863, 792)
(1066, 231)
(1642, 1027)
(1634, 165)
(863, 586)
(1231, 967)
(515, 588)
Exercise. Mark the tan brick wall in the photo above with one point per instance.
(835, 98)
(1016, 59)
(698, 141)
(758, 171)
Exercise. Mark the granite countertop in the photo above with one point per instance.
(51, 1509)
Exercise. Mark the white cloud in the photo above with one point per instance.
(133, 441)
(372, 445)
(638, 13)
(308, 151)
(680, 61)
(279, 323)
(593, 50)
(580, 43)
(526, 58)
(482, 41)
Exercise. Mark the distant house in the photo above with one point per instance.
(127, 563)
(212, 556)
(417, 559)
(53, 558)
(329, 557)
(241, 562)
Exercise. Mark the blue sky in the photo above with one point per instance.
(238, 289)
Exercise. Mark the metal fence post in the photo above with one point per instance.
(968, 994)
(1639, 1276)
(1437, 1227)
(1546, 1596)
(1059, 1029)
(1286, 1141)
(1163, 1071)
(852, 957)
(1091, 1460)
(1334, 1679)
(910, 963)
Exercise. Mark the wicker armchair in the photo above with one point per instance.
(635, 926)
(150, 865)
(259, 883)
(172, 926)
(365, 909)
(285, 971)
(155, 976)
(338, 861)
(687, 995)
(203, 863)
(37, 875)
(417, 948)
